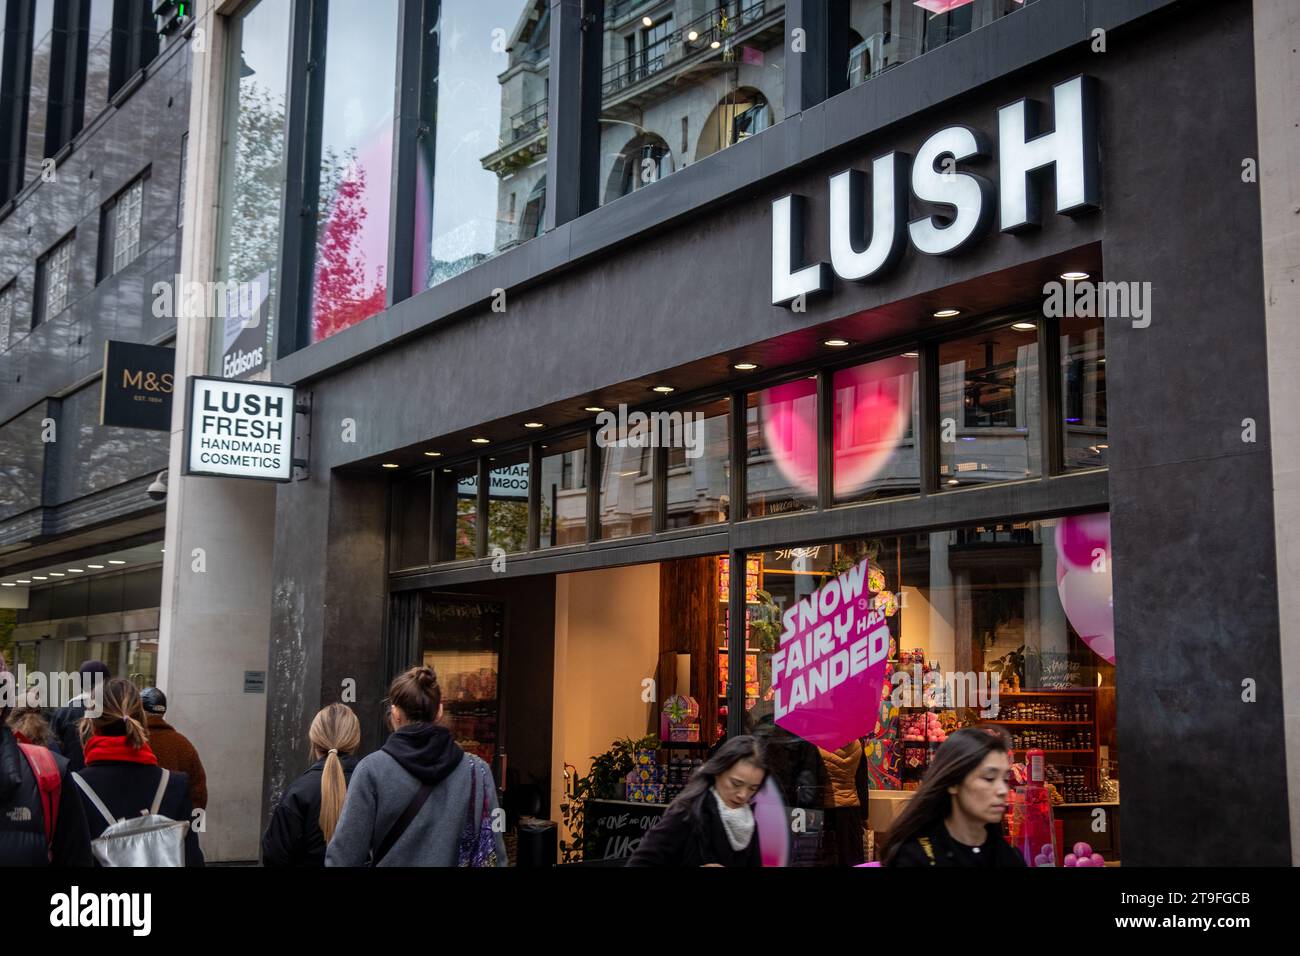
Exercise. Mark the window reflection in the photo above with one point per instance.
(626, 485)
(781, 465)
(699, 473)
(875, 449)
(1083, 392)
(564, 492)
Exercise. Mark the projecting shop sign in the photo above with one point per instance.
(238, 429)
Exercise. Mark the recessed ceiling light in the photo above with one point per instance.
(662, 389)
(953, 481)
(647, 21)
(1073, 276)
(910, 354)
(1024, 326)
(480, 441)
(947, 313)
(76, 571)
(693, 35)
(97, 567)
(389, 464)
(714, 45)
(57, 574)
(836, 343)
(8, 585)
(744, 366)
(116, 562)
(592, 408)
(433, 454)
(446, 471)
(1099, 446)
(39, 577)
(534, 425)
(23, 581)
(163, 550)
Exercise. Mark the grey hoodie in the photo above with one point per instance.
(378, 793)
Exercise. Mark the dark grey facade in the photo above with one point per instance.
(670, 282)
(76, 488)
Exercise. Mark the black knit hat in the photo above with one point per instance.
(154, 700)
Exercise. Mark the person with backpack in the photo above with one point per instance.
(307, 816)
(66, 722)
(420, 800)
(172, 748)
(139, 813)
(41, 821)
(29, 724)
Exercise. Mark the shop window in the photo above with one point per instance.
(781, 454)
(38, 90)
(99, 55)
(252, 180)
(885, 33)
(409, 540)
(707, 79)
(119, 229)
(484, 104)
(1083, 393)
(564, 492)
(1004, 625)
(456, 501)
(989, 407)
(350, 160)
(508, 481)
(461, 639)
(626, 493)
(53, 272)
(699, 469)
(876, 407)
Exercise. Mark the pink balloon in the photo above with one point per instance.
(1078, 536)
(790, 430)
(773, 824)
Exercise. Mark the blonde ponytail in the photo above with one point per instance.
(334, 730)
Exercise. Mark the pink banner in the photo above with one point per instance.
(828, 671)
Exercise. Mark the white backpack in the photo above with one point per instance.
(146, 840)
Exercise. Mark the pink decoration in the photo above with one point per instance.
(772, 821)
(1098, 860)
(1083, 580)
(1082, 849)
(831, 659)
(874, 406)
(1071, 859)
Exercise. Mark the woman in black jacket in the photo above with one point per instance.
(955, 817)
(711, 822)
(123, 772)
(305, 819)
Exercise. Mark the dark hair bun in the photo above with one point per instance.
(427, 676)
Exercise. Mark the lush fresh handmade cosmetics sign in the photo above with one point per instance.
(828, 674)
(239, 429)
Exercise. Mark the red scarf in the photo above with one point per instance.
(99, 748)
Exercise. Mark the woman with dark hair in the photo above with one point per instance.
(711, 822)
(420, 800)
(955, 818)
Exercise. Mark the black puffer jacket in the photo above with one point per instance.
(22, 818)
(690, 833)
(65, 725)
(294, 837)
(128, 788)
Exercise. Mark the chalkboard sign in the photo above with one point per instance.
(612, 829)
(450, 623)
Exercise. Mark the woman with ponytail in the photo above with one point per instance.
(421, 800)
(124, 773)
(306, 817)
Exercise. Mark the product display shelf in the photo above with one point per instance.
(1088, 759)
(1039, 723)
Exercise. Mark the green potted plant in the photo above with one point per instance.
(604, 781)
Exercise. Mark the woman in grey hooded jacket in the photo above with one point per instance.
(420, 800)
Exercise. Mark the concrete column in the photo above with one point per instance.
(1277, 80)
(215, 610)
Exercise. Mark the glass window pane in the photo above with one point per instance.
(39, 89)
(508, 502)
(989, 407)
(355, 163)
(986, 626)
(457, 502)
(885, 33)
(99, 51)
(252, 180)
(626, 481)
(1083, 392)
(681, 84)
(482, 165)
(564, 492)
(781, 463)
(875, 446)
(699, 469)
